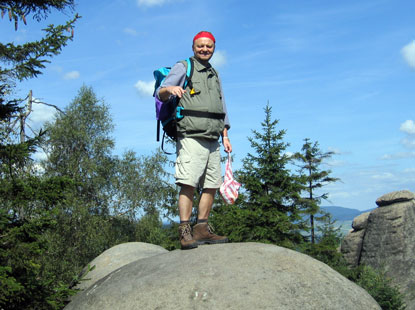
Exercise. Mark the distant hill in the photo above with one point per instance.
(343, 217)
(343, 214)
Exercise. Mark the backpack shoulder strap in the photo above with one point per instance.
(188, 63)
(189, 72)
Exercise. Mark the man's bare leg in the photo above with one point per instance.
(205, 203)
(186, 202)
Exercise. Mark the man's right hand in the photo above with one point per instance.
(166, 92)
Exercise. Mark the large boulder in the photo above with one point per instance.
(395, 197)
(386, 241)
(351, 247)
(225, 276)
(389, 244)
(116, 257)
(352, 243)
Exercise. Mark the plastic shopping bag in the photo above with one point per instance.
(229, 188)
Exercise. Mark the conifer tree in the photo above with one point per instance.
(314, 178)
(267, 209)
(27, 200)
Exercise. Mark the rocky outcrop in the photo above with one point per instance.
(351, 246)
(225, 276)
(385, 239)
(117, 257)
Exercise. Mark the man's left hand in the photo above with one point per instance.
(227, 145)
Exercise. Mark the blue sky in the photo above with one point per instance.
(338, 72)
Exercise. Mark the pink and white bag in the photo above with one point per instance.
(229, 188)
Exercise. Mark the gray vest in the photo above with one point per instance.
(206, 96)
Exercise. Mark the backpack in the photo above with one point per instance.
(168, 113)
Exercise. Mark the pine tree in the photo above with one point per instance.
(314, 178)
(267, 209)
(28, 201)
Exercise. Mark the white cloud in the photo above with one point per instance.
(145, 88)
(408, 126)
(340, 194)
(130, 31)
(73, 75)
(383, 176)
(336, 163)
(151, 2)
(400, 155)
(408, 142)
(218, 59)
(408, 53)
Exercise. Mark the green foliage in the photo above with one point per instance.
(28, 204)
(27, 60)
(79, 147)
(267, 210)
(325, 249)
(115, 199)
(150, 229)
(141, 185)
(377, 284)
(19, 9)
(313, 178)
(25, 284)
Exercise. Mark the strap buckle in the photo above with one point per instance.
(179, 114)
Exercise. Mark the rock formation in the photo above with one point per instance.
(225, 276)
(117, 257)
(385, 239)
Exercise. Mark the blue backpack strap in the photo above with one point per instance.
(189, 73)
(189, 67)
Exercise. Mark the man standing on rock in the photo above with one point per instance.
(197, 147)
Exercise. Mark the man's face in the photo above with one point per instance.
(203, 49)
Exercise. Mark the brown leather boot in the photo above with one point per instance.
(203, 234)
(186, 239)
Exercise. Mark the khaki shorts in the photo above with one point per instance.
(198, 163)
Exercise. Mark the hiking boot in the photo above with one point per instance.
(186, 239)
(203, 234)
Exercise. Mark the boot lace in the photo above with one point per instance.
(210, 229)
(185, 232)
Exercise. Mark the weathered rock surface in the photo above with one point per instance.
(395, 197)
(225, 276)
(117, 257)
(351, 247)
(360, 222)
(388, 241)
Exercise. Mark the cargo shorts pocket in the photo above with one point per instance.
(182, 167)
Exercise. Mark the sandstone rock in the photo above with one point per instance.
(389, 243)
(116, 257)
(386, 241)
(395, 197)
(351, 247)
(225, 276)
(360, 222)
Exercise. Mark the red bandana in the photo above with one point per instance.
(204, 34)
